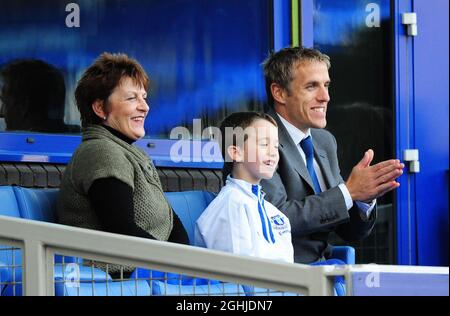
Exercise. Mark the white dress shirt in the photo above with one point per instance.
(297, 136)
(242, 222)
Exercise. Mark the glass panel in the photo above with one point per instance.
(202, 56)
(357, 35)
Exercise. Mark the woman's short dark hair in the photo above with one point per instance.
(101, 78)
(237, 120)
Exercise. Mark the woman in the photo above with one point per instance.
(110, 184)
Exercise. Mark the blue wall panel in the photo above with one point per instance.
(58, 149)
(282, 24)
(431, 72)
(422, 123)
(307, 23)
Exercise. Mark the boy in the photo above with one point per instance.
(239, 220)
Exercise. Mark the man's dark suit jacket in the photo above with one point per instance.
(312, 216)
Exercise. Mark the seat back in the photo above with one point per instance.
(37, 204)
(119, 288)
(8, 202)
(10, 258)
(189, 205)
(27, 203)
(40, 204)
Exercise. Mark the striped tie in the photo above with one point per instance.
(263, 215)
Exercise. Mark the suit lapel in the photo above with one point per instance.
(322, 159)
(290, 150)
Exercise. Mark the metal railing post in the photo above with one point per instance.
(34, 268)
(323, 285)
(50, 276)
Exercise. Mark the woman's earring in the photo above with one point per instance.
(104, 118)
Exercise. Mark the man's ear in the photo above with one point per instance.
(278, 93)
(98, 109)
(235, 153)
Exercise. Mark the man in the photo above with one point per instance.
(33, 96)
(307, 186)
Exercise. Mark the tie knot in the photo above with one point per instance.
(307, 146)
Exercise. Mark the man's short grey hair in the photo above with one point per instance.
(278, 67)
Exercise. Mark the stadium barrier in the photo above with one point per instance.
(41, 241)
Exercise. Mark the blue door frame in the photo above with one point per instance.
(422, 105)
(431, 96)
(404, 136)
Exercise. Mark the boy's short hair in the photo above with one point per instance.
(235, 120)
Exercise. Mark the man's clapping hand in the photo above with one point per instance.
(367, 182)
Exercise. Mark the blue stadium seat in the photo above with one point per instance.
(110, 288)
(37, 204)
(8, 256)
(34, 204)
(259, 291)
(169, 277)
(40, 205)
(189, 205)
(9, 206)
(344, 253)
(216, 289)
(167, 283)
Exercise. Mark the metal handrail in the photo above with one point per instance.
(41, 241)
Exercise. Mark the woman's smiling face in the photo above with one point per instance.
(127, 109)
